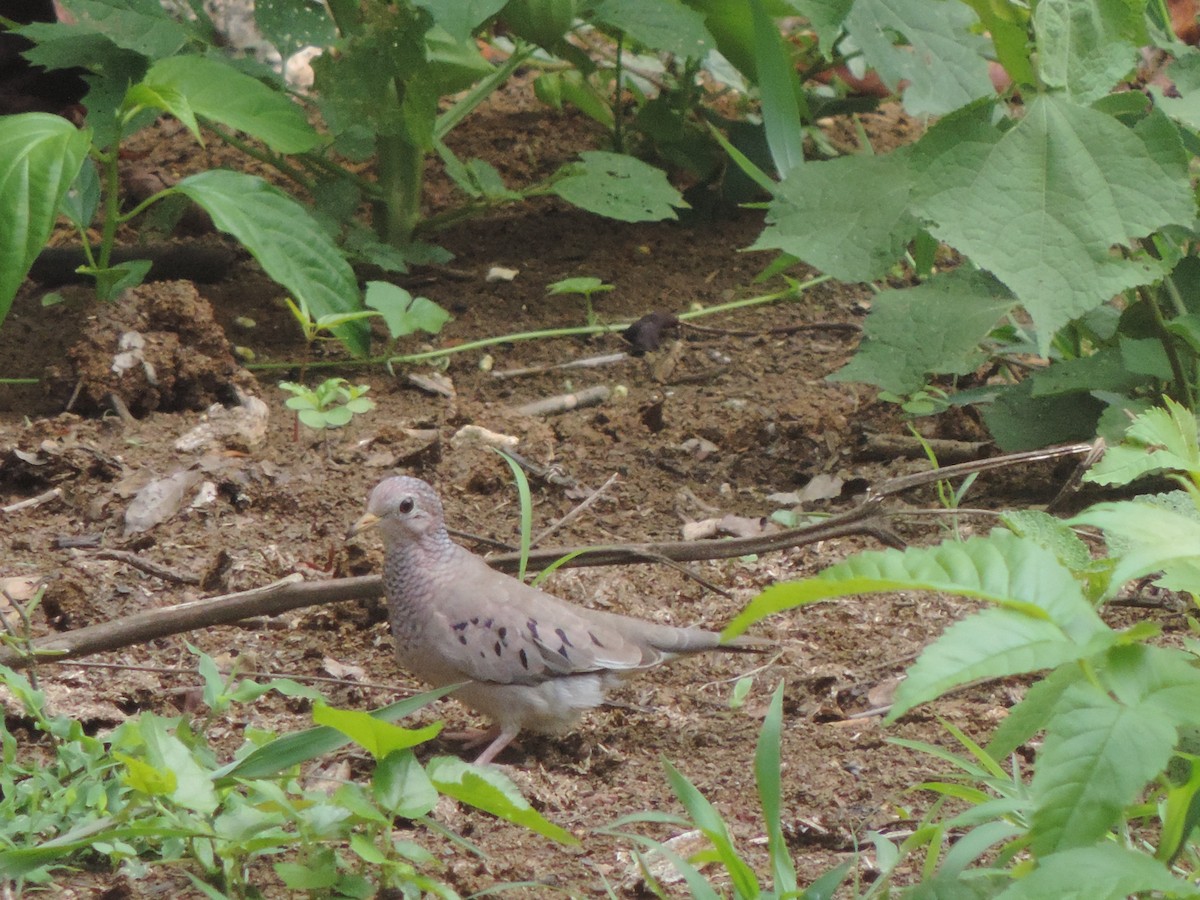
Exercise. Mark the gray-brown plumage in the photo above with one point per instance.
(529, 659)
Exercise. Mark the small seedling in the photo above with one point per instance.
(331, 404)
(585, 286)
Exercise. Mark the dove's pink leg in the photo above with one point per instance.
(503, 739)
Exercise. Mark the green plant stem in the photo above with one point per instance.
(19, 381)
(618, 106)
(400, 166)
(112, 203)
(1184, 393)
(448, 120)
(273, 160)
(794, 289)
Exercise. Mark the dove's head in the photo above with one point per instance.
(403, 508)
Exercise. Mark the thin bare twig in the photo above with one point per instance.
(148, 566)
(31, 502)
(574, 513)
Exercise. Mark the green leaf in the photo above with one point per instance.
(1018, 420)
(935, 328)
(1157, 539)
(665, 25)
(1042, 205)
(83, 198)
(1051, 533)
(142, 26)
(40, 157)
(486, 788)
(376, 737)
(1097, 756)
(402, 313)
(1085, 48)
(1000, 568)
(1157, 440)
(940, 57)
(165, 98)
(994, 643)
(293, 749)
(143, 777)
(1007, 23)
(293, 24)
(1036, 708)
(779, 87)
(401, 786)
(848, 216)
(461, 17)
(318, 872)
(705, 817)
(620, 187)
(167, 753)
(1107, 871)
(216, 91)
(770, 795)
(289, 244)
(583, 285)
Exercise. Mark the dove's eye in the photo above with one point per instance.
(406, 506)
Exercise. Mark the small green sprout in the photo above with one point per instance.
(585, 286)
(332, 404)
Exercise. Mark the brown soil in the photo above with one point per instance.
(705, 426)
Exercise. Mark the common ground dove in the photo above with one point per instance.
(528, 659)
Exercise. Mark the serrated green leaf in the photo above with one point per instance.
(290, 245)
(1052, 533)
(377, 737)
(1158, 539)
(142, 26)
(1157, 440)
(1034, 710)
(1085, 48)
(1061, 188)
(941, 58)
(490, 790)
(935, 328)
(1097, 756)
(40, 157)
(220, 93)
(849, 216)
(994, 643)
(1000, 568)
(620, 187)
(1107, 871)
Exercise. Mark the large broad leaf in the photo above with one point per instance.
(1042, 206)
(40, 156)
(216, 91)
(1097, 756)
(847, 216)
(1158, 440)
(940, 57)
(1107, 871)
(933, 328)
(620, 187)
(665, 25)
(1085, 48)
(289, 244)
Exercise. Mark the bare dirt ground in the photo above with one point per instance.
(710, 426)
